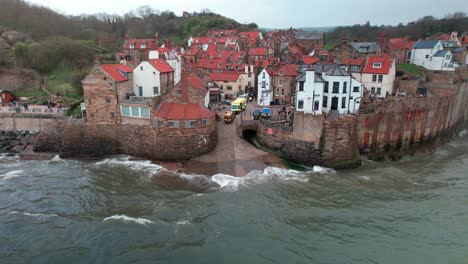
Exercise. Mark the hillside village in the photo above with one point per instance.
(309, 102)
(283, 67)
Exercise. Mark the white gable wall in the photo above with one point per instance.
(147, 77)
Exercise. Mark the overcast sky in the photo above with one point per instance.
(279, 13)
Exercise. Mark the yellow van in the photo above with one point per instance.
(239, 105)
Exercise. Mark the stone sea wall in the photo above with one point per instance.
(84, 140)
(389, 127)
(405, 123)
(28, 122)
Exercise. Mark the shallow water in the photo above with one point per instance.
(123, 210)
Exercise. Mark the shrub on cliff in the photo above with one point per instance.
(55, 52)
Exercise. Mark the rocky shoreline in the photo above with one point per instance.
(16, 141)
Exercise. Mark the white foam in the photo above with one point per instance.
(11, 174)
(57, 158)
(463, 133)
(144, 165)
(364, 178)
(36, 218)
(128, 219)
(231, 184)
(184, 222)
(323, 170)
(8, 157)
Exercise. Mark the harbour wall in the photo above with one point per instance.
(389, 127)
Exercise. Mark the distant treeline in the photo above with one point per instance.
(420, 29)
(106, 30)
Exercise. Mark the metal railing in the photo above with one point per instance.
(33, 109)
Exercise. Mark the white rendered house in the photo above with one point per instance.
(431, 55)
(152, 78)
(264, 90)
(326, 88)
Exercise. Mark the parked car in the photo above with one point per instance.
(257, 113)
(228, 102)
(266, 113)
(229, 117)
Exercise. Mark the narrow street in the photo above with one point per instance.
(233, 155)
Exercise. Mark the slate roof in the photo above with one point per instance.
(371, 47)
(302, 78)
(441, 53)
(331, 70)
(425, 44)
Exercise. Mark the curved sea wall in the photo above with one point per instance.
(85, 140)
(314, 140)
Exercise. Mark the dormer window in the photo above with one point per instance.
(143, 46)
(281, 72)
(131, 46)
(377, 65)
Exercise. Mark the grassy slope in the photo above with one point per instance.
(410, 68)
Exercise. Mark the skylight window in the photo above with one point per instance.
(377, 65)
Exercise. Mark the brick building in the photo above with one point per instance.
(136, 50)
(284, 84)
(103, 87)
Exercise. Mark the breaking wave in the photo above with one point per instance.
(36, 218)
(128, 219)
(9, 157)
(11, 174)
(133, 164)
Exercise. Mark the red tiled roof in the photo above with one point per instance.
(115, 71)
(463, 40)
(211, 47)
(215, 63)
(150, 44)
(250, 34)
(309, 60)
(201, 63)
(257, 52)
(178, 111)
(203, 40)
(192, 51)
(399, 44)
(294, 50)
(225, 76)
(226, 54)
(384, 60)
(221, 32)
(287, 70)
(196, 82)
(161, 65)
(262, 63)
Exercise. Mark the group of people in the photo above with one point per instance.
(53, 104)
